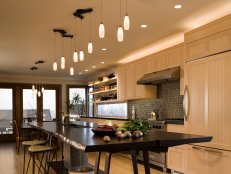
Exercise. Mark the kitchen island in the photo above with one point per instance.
(81, 137)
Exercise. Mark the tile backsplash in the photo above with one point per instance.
(168, 104)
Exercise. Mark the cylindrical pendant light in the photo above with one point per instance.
(42, 89)
(62, 62)
(39, 94)
(81, 53)
(120, 32)
(101, 25)
(75, 54)
(33, 87)
(55, 66)
(63, 58)
(126, 20)
(71, 71)
(90, 45)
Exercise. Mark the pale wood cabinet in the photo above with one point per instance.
(131, 81)
(150, 64)
(209, 111)
(174, 56)
(121, 83)
(209, 39)
(202, 160)
(143, 91)
(161, 60)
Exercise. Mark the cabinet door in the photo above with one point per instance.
(174, 57)
(150, 64)
(131, 81)
(195, 79)
(176, 158)
(161, 60)
(140, 71)
(122, 81)
(219, 99)
(218, 161)
(197, 160)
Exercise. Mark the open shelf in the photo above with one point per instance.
(101, 92)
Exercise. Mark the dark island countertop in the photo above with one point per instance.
(84, 139)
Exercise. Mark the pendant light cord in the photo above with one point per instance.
(101, 10)
(126, 7)
(81, 36)
(55, 46)
(120, 12)
(90, 26)
(63, 45)
(75, 34)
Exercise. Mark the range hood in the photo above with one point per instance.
(171, 74)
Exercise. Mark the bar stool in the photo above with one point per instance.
(81, 170)
(46, 151)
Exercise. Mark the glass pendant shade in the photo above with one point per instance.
(62, 62)
(75, 56)
(120, 34)
(101, 30)
(90, 47)
(42, 89)
(39, 94)
(35, 91)
(81, 55)
(71, 71)
(55, 66)
(33, 87)
(126, 22)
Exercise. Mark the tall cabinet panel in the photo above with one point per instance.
(131, 81)
(195, 75)
(122, 83)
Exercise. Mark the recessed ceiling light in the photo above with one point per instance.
(80, 73)
(102, 62)
(93, 66)
(86, 70)
(143, 26)
(178, 6)
(104, 49)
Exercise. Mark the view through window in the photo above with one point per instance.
(6, 111)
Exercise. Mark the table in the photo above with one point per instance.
(81, 137)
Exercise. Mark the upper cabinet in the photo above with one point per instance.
(122, 83)
(174, 56)
(150, 64)
(209, 39)
(161, 60)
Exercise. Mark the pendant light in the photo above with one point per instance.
(81, 53)
(120, 32)
(72, 71)
(126, 19)
(75, 54)
(101, 25)
(55, 65)
(90, 45)
(42, 89)
(63, 58)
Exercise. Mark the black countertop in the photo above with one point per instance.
(84, 139)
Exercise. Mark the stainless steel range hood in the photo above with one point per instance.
(171, 74)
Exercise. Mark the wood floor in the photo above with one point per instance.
(11, 163)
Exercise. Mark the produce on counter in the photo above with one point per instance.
(106, 139)
(134, 125)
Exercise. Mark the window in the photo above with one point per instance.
(112, 110)
(77, 101)
(6, 111)
(49, 105)
(29, 105)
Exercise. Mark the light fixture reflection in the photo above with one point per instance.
(81, 55)
(55, 66)
(90, 47)
(71, 71)
(42, 89)
(120, 34)
(39, 94)
(33, 87)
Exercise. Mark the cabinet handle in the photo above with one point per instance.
(197, 148)
(186, 102)
(214, 151)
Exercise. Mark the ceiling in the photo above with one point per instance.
(26, 32)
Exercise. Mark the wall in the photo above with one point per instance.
(168, 104)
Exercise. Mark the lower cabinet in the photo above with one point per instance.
(203, 160)
(176, 158)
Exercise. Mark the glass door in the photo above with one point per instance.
(29, 105)
(6, 113)
(49, 105)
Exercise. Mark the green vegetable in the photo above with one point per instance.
(135, 124)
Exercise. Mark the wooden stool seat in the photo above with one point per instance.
(40, 148)
(34, 142)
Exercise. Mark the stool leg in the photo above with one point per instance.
(33, 163)
(24, 160)
(28, 165)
